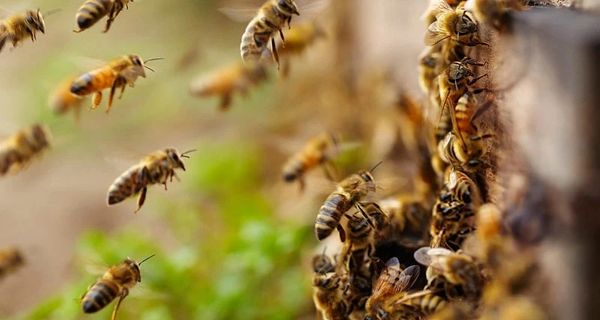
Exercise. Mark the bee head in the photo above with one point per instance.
(174, 158)
(458, 70)
(466, 25)
(328, 281)
(35, 21)
(367, 177)
(131, 264)
(138, 63)
(288, 6)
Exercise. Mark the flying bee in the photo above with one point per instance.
(392, 281)
(297, 40)
(457, 269)
(62, 100)
(327, 296)
(270, 18)
(116, 282)
(18, 27)
(156, 168)
(93, 10)
(117, 74)
(19, 149)
(318, 151)
(10, 259)
(347, 194)
(456, 25)
(225, 82)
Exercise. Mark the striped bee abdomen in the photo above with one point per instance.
(254, 40)
(99, 296)
(128, 184)
(330, 214)
(91, 11)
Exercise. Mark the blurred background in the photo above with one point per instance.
(231, 239)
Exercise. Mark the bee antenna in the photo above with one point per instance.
(51, 12)
(145, 66)
(185, 154)
(144, 260)
(375, 166)
(153, 59)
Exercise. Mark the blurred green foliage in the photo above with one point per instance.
(241, 263)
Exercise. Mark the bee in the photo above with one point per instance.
(417, 305)
(18, 27)
(408, 219)
(452, 216)
(93, 10)
(347, 194)
(270, 18)
(156, 168)
(392, 282)
(454, 269)
(493, 12)
(429, 62)
(117, 74)
(321, 263)
(456, 81)
(297, 40)
(10, 259)
(63, 100)
(327, 296)
(320, 150)
(116, 282)
(457, 25)
(225, 82)
(18, 150)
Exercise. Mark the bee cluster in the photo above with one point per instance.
(442, 252)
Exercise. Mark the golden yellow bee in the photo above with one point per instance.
(62, 100)
(224, 82)
(271, 18)
(117, 74)
(457, 25)
(453, 269)
(347, 194)
(10, 259)
(18, 150)
(156, 168)
(318, 151)
(454, 82)
(18, 27)
(93, 10)
(297, 40)
(116, 282)
(391, 283)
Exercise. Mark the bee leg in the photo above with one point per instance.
(274, 50)
(282, 37)
(111, 17)
(123, 296)
(141, 199)
(118, 82)
(342, 232)
(96, 99)
(122, 91)
(301, 184)
(225, 102)
(362, 211)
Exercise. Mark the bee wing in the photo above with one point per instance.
(85, 64)
(435, 34)
(422, 256)
(244, 10)
(435, 8)
(393, 279)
